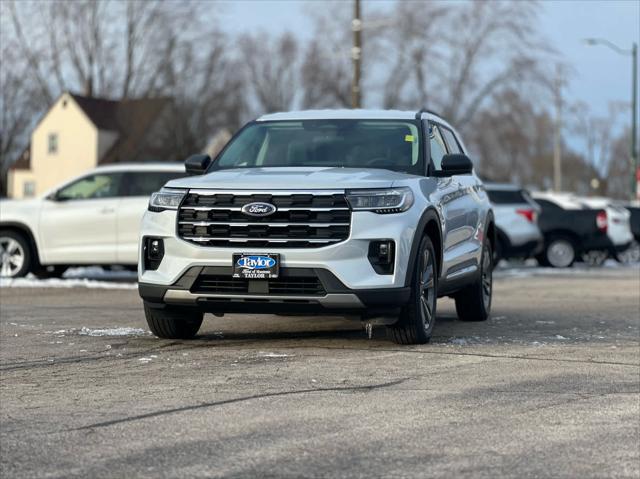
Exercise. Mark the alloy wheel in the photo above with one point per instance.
(427, 289)
(560, 253)
(487, 278)
(12, 256)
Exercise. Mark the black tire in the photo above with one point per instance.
(418, 317)
(559, 252)
(53, 271)
(14, 248)
(173, 323)
(473, 303)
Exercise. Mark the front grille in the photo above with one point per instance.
(302, 219)
(289, 286)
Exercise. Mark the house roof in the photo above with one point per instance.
(24, 160)
(121, 115)
(130, 119)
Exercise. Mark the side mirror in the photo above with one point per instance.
(456, 164)
(197, 164)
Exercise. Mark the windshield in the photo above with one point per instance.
(389, 144)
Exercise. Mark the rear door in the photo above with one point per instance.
(137, 188)
(78, 223)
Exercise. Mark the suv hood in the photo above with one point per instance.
(292, 178)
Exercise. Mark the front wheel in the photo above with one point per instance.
(473, 303)
(15, 255)
(172, 322)
(418, 318)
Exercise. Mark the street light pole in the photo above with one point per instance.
(356, 56)
(633, 144)
(557, 137)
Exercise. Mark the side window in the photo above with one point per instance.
(29, 189)
(143, 183)
(438, 148)
(452, 143)
(52, 143)
(101, 185)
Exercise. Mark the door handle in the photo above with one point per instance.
(107, 210)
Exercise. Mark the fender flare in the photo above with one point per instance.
(28, 232)
(429, 216)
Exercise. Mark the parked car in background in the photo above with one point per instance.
(632, 253)
(516, 216)
(93, 219)
(618, 229)
(570, 229)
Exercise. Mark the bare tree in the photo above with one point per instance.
(272, 70)
(120, 50)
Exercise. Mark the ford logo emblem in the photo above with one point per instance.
(258, 209)
(256, 262)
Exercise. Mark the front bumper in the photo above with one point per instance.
(348, 260)
(335, 297)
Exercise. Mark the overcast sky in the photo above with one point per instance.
(600, 75)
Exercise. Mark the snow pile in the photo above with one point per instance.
(113, 332)
(32, 282)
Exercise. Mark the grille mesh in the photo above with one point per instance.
(289, 286)
(302, 220)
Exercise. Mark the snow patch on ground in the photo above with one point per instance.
(262, 354)
(32, 282)
(113, 332)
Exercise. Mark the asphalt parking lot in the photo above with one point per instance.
(549, 387)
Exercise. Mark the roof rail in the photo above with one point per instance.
(425, 110)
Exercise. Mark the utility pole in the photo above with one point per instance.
(635, 167)
(557, 137)
(356, 56)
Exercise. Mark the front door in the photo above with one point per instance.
(78, 222)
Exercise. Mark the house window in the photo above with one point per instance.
(53, 143)
(29, 189)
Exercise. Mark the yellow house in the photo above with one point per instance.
(78, 133)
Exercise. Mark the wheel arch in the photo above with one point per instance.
(564, 233)
(492, 231)
(27, 233)
(429, 225)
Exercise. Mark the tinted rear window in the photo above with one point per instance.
(503, 197)
(143, 183)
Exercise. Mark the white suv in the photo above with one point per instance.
(90, 220)
(350, 212)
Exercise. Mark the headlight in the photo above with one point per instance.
(166, 199)
(382, 201)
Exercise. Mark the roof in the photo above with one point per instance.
(24, 160)
(143, 166)
(130, 119)
(349, 114)
(120, 115)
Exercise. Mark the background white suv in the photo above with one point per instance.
(93, 219)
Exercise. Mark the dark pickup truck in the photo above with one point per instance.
(570, 230)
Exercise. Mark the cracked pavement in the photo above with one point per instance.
(550, 386)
